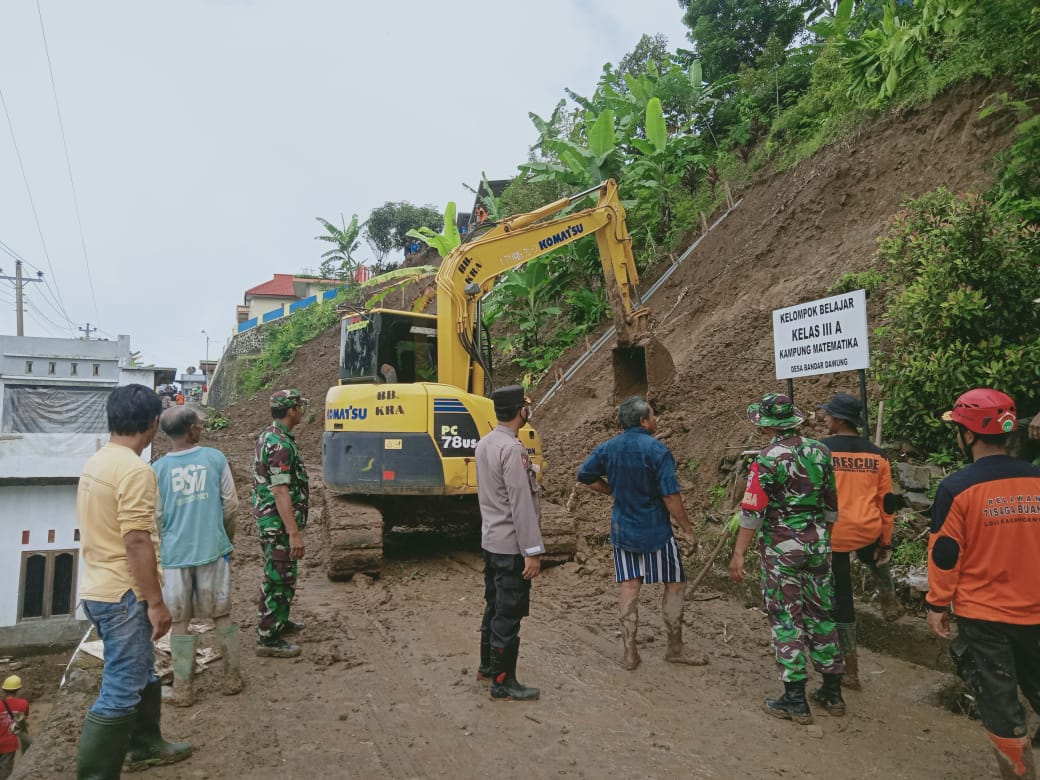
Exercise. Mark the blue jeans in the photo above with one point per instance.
(129, 655)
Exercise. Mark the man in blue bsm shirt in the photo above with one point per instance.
(639, 472)
(196, 518)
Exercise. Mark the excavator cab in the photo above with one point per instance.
(386, 346)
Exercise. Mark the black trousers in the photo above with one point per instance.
(841, 567)
(995, 660)
(507, 599)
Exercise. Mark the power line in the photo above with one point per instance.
(32, 308)
(28, 189)
(56, 305)
(68, 160)
(59, 312)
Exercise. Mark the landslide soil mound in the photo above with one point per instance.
(793, 236)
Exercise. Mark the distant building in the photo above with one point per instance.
(478, 215)
(52, 418)
(281, 290)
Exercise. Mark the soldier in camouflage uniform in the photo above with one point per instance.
(790, 496)
(280, 503)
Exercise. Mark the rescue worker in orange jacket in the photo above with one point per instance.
(982, 561)
(864, 482)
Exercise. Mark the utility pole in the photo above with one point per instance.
(87, 330)
(19, 284)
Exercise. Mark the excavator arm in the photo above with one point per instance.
(470, 270)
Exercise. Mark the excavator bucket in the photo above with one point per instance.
(641, 368)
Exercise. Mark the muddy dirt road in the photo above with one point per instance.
(386, 688)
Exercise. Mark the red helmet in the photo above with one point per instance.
(983, 410)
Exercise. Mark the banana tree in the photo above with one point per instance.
(386, 283)
(339, 261)
(442, 242)
(577, 164)
(518, 298)
(663, 163)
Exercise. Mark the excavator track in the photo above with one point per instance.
(354, 541)
(353, 529)
(558, 534)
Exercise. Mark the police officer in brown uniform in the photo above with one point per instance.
(511, 539)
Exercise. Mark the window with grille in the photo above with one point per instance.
(48, 584)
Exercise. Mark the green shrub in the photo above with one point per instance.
(285, 338)
(870, 281)
(913, 552)
(961, 315)
(217, 423)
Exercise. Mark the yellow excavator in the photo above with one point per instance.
(402, 425)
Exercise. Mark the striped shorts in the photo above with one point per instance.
(664, 565)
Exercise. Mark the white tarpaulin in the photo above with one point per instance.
(64, 410)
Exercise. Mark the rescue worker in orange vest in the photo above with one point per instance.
(864, 482)
(982, 561)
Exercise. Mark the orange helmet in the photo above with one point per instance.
(983, 410)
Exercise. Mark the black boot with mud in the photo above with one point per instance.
(484, 670)
(828, 695)
(276, 648)
(792, 705)
(507, 687)
(504, 685)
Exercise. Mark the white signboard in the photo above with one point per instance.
(821, 337)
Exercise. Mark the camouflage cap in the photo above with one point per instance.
(287, 399)
(775, 410)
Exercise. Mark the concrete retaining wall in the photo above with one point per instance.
(224, 383)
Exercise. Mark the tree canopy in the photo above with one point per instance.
(387, 227)
(731, 33)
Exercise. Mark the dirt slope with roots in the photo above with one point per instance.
(385, 686)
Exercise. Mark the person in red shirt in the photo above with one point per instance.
(13, 705)
(982, 562)
(864, 481)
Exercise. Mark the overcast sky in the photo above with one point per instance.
(205, 136)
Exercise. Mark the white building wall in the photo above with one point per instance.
(29, 463)
(37, 509)
(46, 454)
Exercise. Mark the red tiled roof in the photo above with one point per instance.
(281, 286)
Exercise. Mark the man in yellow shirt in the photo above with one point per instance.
(122, 592)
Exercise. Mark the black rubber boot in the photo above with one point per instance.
(828, 695)
(504, 684)
(792, 705)
(102, 746)
(147, 746)
(484, 670)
